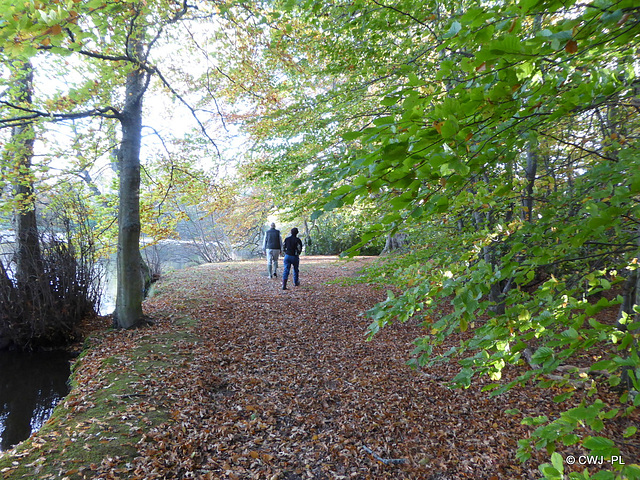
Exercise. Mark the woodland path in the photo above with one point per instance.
(288, 387)
(238, 379)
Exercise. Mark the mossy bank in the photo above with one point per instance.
(116, 396)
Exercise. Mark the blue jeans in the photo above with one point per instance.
(288, 261)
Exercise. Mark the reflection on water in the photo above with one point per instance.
(31, 385)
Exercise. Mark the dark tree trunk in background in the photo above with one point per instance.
(28, 255)
(531, 170)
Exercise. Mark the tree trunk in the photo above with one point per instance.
(395, 242)
(307, 234)
(530, 172)
(28, 255)
(130, 288)
(18, 154)
(630, 299)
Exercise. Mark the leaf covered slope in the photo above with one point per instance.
(240, 380)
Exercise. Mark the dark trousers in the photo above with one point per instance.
(291, 260)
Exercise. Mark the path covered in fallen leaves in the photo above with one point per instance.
(238, 379)
(285, 385)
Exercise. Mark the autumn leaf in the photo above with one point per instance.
(571, 46)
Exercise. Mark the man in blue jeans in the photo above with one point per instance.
(292, 251)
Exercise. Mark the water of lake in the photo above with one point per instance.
(31, 385)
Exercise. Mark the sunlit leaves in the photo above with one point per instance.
(511, 90)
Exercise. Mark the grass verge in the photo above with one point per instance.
(117, 395)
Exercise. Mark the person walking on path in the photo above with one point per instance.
(292, 251)
(272, 245)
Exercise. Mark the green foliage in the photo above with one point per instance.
(506, 136)
(338, 231)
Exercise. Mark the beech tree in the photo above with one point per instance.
(116, 41)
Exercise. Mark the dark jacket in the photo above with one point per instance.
(292, 246)
(272, 239)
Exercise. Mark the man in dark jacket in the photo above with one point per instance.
(292, 251)
(272, 245)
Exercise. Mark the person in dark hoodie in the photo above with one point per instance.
(292, 250)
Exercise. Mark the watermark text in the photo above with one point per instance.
(593, 460)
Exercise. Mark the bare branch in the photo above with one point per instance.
(86, 53)
(191, 109)
(31, 115)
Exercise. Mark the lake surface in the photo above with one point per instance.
(31, 385)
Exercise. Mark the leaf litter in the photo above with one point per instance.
(238, 379)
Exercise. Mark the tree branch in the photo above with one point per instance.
(407, 15)
(191, 109)
(32, 115)
(86, 53)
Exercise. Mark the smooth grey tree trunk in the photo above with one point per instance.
(130, 289)
(395, 242)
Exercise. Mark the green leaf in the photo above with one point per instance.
(563, 396)
(348, 136)
(542, 355)
(570, 439)
(449, 128)
(571, 333)
(533, 421)
(316, 214)
(414, 80)
(389, 101)
(384, 121)
(453, 30)
(395, 151)
(612, 17)
(558, 462)
(599, 445)
(550, 472)
(463, 378)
